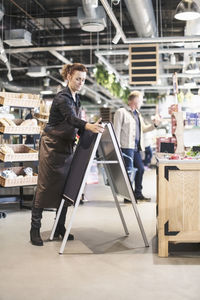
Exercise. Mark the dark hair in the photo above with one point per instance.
(71, 68)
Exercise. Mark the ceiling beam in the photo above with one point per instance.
(62, 48)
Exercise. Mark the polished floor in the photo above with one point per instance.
(101, 263)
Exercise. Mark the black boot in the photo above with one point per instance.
(35, 237)
(60, 231)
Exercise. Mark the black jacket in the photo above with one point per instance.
(64, 119)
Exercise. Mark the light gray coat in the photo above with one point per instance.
(125, 128)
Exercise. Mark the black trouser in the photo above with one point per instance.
(37, 216)
(139, 174)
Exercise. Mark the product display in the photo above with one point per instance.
(6, 122)
(29, 122)
(18, 176)
(5, 149)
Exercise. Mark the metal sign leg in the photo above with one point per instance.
(69, 227)
(116, 202)
(56, 220)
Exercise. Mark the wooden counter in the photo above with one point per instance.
(178, 202)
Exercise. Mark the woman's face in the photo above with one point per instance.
(76, 80)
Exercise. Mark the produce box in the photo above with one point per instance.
(18, 181)
(20, 129)
(21, 153)
(19, 99)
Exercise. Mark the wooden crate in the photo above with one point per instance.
(178, 200)
(42, 117)
(21, 153)
(21, 181)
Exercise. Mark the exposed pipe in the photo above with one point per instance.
(3, 56)
(108, 9)
(62, 48)
(89, 8)
(112, 17)
(161, 50)
(143, 18)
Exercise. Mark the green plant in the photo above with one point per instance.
(154, 98)
(110, 82)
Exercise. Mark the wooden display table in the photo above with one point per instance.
(178, 200)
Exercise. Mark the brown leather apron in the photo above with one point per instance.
(55, 157)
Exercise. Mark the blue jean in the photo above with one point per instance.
(128, 159)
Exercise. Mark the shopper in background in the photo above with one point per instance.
(29, 138)
(148, 138)
(56, 149)
(129, 127)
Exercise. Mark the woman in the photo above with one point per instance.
(56, 149)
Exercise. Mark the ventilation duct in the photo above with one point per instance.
(18, 38)
(143, 18)
(1, 11)
(92, 17)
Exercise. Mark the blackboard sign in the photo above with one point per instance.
(79, 165)
(109, 155)
(109, 150)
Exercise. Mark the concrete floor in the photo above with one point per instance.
(101, 263)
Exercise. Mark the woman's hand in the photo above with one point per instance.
(96, 127)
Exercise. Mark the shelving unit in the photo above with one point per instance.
(22, 153)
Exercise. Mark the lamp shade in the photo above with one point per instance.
(187, 10)
(190, 83)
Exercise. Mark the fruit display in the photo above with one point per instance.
(194, 151)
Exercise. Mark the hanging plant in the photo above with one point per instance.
(109, 81)
(154, 98)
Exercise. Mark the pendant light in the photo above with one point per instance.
(192, 67)
(187, 10)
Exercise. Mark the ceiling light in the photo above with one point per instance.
(115, 2)
(18, 38)
(187, 10)
(46, 91)
(190, 83)
(192, 67)
(36, 71)
(93, 19)
(173, 59)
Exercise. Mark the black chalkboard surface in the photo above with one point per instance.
(109, 151)
(79, 165)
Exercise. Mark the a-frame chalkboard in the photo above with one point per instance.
(110, 155)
